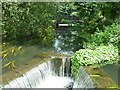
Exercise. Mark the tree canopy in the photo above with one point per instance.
(27, 21)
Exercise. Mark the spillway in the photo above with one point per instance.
(54, 73)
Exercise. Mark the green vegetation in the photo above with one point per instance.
(98, 21)
(94, 20)
(11, 52)
(98, 28)
(106, 37)
(94, 36)
(27, 22)
(85, 57)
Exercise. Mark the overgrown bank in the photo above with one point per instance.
(86, 57)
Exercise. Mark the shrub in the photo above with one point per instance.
(104, 37)
(85, 57)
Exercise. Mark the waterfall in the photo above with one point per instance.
(68, 68)
(83, 80)
(63, 60)
(56, 45)
(55, 73)
(32, 78)
(44, 75)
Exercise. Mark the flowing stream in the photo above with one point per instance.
(54, 73)
(46, 75)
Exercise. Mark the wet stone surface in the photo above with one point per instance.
(100, 78)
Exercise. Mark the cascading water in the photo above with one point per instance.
(54, 73)
(46, 75)
(57, 42)
(83, 80)
(63, 66)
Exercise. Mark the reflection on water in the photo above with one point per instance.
(112, 71)
(64, 42)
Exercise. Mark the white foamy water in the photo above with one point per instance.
(51, 74)
(55, 82)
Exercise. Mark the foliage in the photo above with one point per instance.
(85, 57)
(96, 27)
(11, 65)
(27, 21)
(106, 37)
(13, 51)
(96, 14)
(64, 10)
(97, 19)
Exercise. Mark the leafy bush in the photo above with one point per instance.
(109, 35)
(98, 23)
(85, 57)
(27, 22)
(10, 52)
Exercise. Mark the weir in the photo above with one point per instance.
(54, 73)
(82, 80)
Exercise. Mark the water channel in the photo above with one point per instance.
(53, 74)
(64, 43)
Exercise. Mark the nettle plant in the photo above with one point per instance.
(86, 57)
